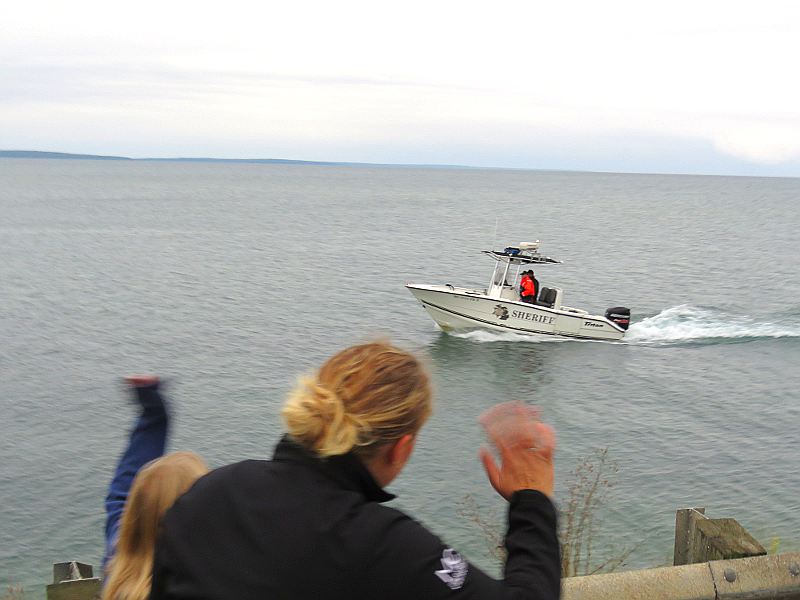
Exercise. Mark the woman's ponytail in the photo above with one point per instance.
(362, 397)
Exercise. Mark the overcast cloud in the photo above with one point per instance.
(699, 87)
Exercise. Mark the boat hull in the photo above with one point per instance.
(456, 309)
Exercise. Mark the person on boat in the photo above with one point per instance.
(310, 523)
(527, 291)
(535, 283)
(144, 486)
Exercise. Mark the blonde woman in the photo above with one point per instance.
(310, 523)
(144, 486)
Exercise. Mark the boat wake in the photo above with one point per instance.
(483, 336)
(692, 324)
(683, 324)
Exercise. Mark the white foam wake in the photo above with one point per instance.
(676, 325)
(483, 336)
(686, 323)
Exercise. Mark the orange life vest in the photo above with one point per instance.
(526, 286)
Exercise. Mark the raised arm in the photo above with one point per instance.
(525, 478)
(407, 561)
(147, 442)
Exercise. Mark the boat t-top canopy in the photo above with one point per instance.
(527, 253)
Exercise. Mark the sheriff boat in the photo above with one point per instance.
(499, 307)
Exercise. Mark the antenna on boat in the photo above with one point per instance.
(494, 239)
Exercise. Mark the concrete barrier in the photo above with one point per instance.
(73, 581)
(699, 539)
(756, 578)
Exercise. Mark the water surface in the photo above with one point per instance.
(230, 280)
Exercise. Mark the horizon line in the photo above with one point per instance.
(45, 154)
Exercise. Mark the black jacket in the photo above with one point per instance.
(299, 527)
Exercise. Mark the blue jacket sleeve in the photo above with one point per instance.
(147, 442)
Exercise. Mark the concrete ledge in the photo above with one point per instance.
(688, 582)
(77, 589)
(753, 578)
(757, 577)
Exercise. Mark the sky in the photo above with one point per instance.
(666, 87)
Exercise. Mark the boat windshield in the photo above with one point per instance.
(504, 277)
(500, 275)
(508, 266)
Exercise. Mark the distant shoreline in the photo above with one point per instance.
(36, 154)
(269, 161)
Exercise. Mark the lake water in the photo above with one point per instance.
(229, 280)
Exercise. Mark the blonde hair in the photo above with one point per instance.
(154, 490)
(361, 398)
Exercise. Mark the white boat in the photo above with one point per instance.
(500, 307)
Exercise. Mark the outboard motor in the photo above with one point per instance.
(619, 315)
